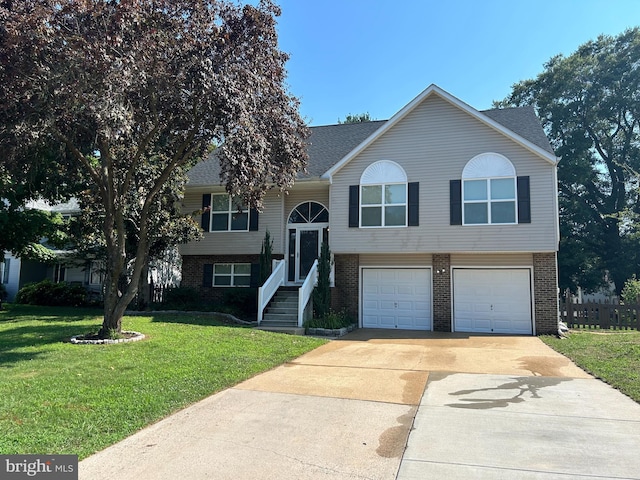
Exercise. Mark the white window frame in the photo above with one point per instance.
(232, 209)
(489, 201)
(57, 268)
(487, 167)
(383, 173)
(95, 269)
(232, 274)
(5, 270)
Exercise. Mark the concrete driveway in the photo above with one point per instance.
(383, 405)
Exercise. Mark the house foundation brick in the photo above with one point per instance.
(344, 296)
(193, 272)
(545, 290)
(441, 292)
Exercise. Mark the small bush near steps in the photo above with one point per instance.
(332, 321)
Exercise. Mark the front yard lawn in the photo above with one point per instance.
(612, 356)
(60, 398)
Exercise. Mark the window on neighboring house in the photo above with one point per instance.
(59, 273)
(231, 274)
(4, 270)
(489, 191)
(96, 273)
(383, 195)
(228, 214)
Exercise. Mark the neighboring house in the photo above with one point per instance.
(441, 218)
(18, 272)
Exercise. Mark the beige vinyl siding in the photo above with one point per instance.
(491, 260)
(306, 192)
(237, 243)
(411, 260)
(433, 143)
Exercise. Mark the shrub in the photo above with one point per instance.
(242, 301)
(266, 255)
(52, 294)
(331, 320)
(631, 291)
(3, 294)
(181, 298)
(322, 291)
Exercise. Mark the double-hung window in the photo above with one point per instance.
(489, 201)
(383, 195)
(384, 205)
(96, 273)
(489, 191)
(228, 214)
(231, 274)
(4, 270)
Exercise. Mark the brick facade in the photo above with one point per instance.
(344, 296)
(441, 292)
(193, 272)
(545, 290)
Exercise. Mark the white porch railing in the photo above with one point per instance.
(270, 287)
(305, 291)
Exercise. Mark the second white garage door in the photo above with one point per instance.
(396, 298)
(492, 300)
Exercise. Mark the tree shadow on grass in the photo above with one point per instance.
(204, 319)
(36, 336)
(10, 358)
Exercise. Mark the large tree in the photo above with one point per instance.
(131, 93)
(589, 103)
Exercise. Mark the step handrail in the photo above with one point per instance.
(270, 287)
(305, 291)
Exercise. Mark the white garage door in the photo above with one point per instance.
(396, 298)
(492, 301)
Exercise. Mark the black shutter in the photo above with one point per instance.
(255, 275)
(455, 202)
(253, 220)
(207, 277)
(205, 221)
(354, 206)
(524, 200)
(413, 194)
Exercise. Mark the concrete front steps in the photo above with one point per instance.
(281, 315)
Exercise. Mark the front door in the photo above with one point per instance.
(309, 250)
(304, 249)
(307, 227)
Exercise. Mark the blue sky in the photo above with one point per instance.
(355, 56)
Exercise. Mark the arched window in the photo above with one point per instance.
(383, 195)
(309, 212)
(489, 190)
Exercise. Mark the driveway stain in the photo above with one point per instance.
(509, 393)
(392, 441)
(544, 366)
(415, 383)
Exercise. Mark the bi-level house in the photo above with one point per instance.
(441, 218)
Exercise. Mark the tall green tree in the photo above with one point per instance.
(21, 228)
(589, 103)
(358, 118)
(130, 94)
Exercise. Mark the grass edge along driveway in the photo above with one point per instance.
(60, 398)
(612, 356)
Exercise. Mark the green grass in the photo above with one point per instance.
(612, 357)
(56, 397)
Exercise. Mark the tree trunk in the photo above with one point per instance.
(143, 288)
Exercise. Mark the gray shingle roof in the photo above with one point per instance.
(330, 143)
(522, 121)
